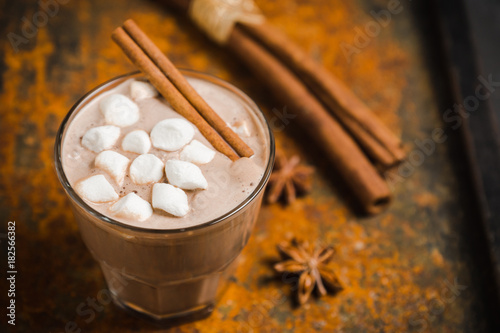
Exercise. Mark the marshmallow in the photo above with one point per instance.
(96, 189)
(197, 152)
(142, 90)
(119, 110)
(241, 128)
(132, 206)
(113, 163)
(185, 175)
(172, 134)
(170, 199)
(137, 142)
(146, 169)
(100, 138)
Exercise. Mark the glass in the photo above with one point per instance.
(166, 275)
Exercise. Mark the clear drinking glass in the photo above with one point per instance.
(166, 275)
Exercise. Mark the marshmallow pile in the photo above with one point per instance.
(168, 179)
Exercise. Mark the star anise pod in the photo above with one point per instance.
(310, 264)
(288, 179)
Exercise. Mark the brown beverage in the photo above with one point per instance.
(166, 266)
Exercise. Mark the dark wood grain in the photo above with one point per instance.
(470, 53)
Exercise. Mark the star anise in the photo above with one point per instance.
(288, 179)
(310, 264)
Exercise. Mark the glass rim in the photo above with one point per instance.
(95, 91)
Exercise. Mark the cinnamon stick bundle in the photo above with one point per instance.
(314, 95)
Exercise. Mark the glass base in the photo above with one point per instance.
(201, 312)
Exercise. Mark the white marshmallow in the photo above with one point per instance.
(241, 128)
(170, 199)
(132, 206)
(172, 134)
(142, 90)
(113, 163)
(137, 142)
(96, 189)
(197, 152)
(100, 138)
(146, 169)
(119, 110)
(185, 175)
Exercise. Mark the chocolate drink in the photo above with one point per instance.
(167, 266)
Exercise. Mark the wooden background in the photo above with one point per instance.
(397, 268)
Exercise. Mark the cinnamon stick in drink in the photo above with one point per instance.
(170, 92)
(345, 155)
(173, 74)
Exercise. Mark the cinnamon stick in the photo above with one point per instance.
(345, 155)
(173, 74)
(375, 138)
(170, 92)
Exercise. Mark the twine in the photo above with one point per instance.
(218, 17)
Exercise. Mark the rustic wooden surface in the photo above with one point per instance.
(396, 267)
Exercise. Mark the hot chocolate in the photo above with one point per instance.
(229, 183)
(164, 214)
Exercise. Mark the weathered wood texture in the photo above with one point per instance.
(397, 268)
